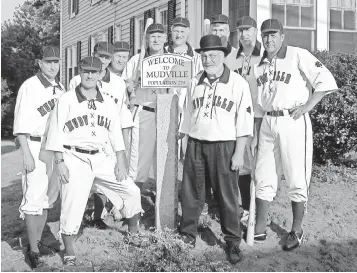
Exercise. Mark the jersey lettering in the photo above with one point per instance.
(76, 122)
(47, 107)
(102, 123)
(278, 76)
(217, 101)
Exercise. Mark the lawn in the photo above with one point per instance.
(329, 225)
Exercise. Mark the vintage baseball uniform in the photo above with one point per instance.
(283, 140)
(35, 100)
(143, 135)
(216, 114)
(82, 130)
(243, 65)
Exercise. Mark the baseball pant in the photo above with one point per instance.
(287, 143)
(143, 144)
(40, 187)
(95, 170)
(210, 162)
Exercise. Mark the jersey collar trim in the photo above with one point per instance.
(44, 81)
(280, 55)
(223, 78)
(256, 50)
(170, 49)
(106, 77)
(82, 98)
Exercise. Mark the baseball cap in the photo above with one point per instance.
(220, 18)
(50, 53)
(121, 46)
(104, 48)
(91, 63)
(271, 25)
(246, 22)
(180, 21)
(153, 28)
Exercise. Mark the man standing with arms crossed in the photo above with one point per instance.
(249, 54)
(36, 98)
(285, 136)
(218, 118)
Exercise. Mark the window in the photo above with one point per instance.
(299, 20)
(104, 36)
(343, 25)
(73, 7)
(212, 7)
(139, 31)
(237, 9)
(95, 40)
(163, 16)
(117, 33)
(72, 61)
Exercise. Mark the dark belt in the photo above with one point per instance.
(278, 113)
(146, 108)
(35, 138)
(79, 150)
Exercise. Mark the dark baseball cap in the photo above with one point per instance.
(271, 25)
(180, 21)
(104, 48)
(219, 18)
(50, 53)
(121, 46)
(246, 22)
(153, 28)
(91, 63)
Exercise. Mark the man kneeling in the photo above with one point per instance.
(81, 126)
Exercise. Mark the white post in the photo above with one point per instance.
(322, 25)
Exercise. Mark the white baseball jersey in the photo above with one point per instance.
(113, 87)
(144, 96)
(218, 111)
(284, 87)
(232, 51)
(36, 98)
(86, 124)
(243, 65)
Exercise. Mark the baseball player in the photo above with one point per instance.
(249, 54)
(220, 27)
(180, 30)
(285, 137)
(144, 132)
(120, 57)
(112, 86)
(218, 118)
(36, 98)
(83, 123)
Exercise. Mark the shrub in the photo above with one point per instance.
(334, 119)
(7, 109)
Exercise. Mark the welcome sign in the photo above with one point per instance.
(166, 70)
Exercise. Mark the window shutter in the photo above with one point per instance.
(90, 45)
(79, 51)
(152, 14)
(111, 34)
(69, 7)
(146, 16)
(65, 66)
(132, 35)
(171, 13)
(76, 6)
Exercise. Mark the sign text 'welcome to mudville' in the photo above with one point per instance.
(166, 70)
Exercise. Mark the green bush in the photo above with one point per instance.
(8, 100)
(334, 119)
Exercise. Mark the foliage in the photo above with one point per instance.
(36, 23)
(334, 119)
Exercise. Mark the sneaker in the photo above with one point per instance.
(293, 241)
(245, 217)
(258, 238)
(99, 224)
(69, 260)
(34, 258)
(234, 254)
(46, 249)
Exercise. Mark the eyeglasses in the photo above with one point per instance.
(211, 56)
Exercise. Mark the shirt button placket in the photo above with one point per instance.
(92, 115)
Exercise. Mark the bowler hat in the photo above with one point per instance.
(211, 42)
(90, 63)
(50, 53)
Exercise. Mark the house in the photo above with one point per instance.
(312, 24)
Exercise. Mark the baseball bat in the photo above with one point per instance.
(206, 26)
(251, 219)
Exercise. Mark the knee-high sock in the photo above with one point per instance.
(68, 241)
(99, 204)
(262, 208)
(41, 224)
(244, 188)
(32, 223)
(298, 214)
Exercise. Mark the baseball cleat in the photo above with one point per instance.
(34, 258)
(234, 254)
(69, 260)
(294, 240)
(46, 249)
